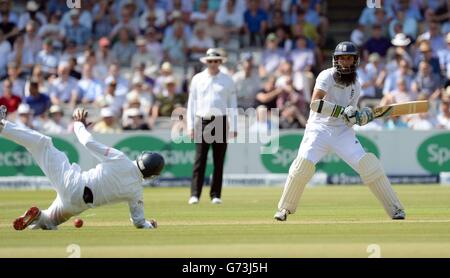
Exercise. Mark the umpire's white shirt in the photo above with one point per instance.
(335, 93)
(211, 95)
(115, 179)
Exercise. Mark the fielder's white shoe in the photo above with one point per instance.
(216, 201)
(3, 111)
(193, 200)
(281, 215)
(399, 215)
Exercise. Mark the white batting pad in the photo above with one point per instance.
(300, 172)
(373, 176)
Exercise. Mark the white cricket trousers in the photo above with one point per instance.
(319, 140)
(63, 176)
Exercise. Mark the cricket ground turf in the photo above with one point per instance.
(336, 221)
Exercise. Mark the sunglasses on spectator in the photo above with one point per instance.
(213, 61)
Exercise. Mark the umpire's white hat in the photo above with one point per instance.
(213, 54)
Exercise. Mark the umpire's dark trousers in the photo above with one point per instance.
(209, 132)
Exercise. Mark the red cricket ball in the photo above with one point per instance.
(78, 223)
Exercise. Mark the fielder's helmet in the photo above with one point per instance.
(345, 48)
(150, 164)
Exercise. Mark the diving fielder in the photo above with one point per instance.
(115, 179)
(329, 128)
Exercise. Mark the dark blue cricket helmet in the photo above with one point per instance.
(346, 48)
(150, 164)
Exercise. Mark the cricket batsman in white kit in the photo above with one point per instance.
(329, 129)
(115, 179)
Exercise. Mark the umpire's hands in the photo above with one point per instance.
(80, 115)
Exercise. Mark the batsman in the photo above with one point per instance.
(329, 129)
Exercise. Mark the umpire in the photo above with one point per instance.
(212, 115)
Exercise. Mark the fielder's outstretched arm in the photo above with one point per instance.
(99, 150)
(137, 214)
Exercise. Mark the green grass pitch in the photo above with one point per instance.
(340, 221)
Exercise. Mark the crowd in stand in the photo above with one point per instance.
(406, 56)
(130, 61)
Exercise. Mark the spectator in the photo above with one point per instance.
(109, 99)
(84, 14)
(357, 36)
(47, 58)
(89, 88)
(408, 23)
(142, 56)
(5, 49)
(57, 6)
(155, 50)
(404, 72)
(77, 32)
(123, 50)
(400, 94)
(263, 124)
(143, 92)
(104, 19)
(175, 45)
(32, 14)
(31, 40)
(302, 56)
(64, 88)
(426, 82)
(444, 58)
(199, 43)
(8, 22)
(22, 57)
(127, 22)
(393, 123)
(37, 101)
(399, 51)
(18, 84)
(271, 56)
(268, 95)
(201, 14)
(434, 36)
(377, 43)
(53, 30)
(290, 96)
(231, 19)
(122, 83)
(422, 121)
(55, 124)
(103, 55)
(367, 80)
(168, 102)
(247, 82)
(135, 120)
(308, 29)
(6, 13)
(426, 55)
(443, 117)
(152, 10)
(8, 99)
(25, 117)
(255, 25)
(107, 124)
(292, 118)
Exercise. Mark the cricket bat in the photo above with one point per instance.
(398, 109)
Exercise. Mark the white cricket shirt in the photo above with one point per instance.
(212, 95)
(115, 179)
(335, 93)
